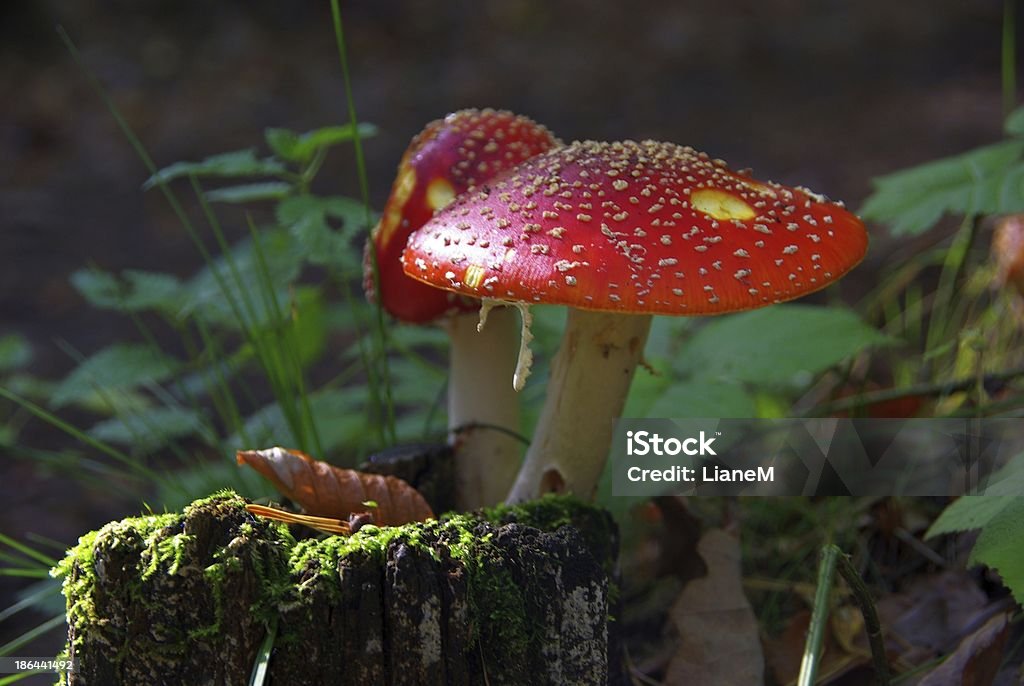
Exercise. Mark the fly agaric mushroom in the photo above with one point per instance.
(450, 157)
(620, 232)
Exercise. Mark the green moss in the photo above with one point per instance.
(551, 511)
(548, 513)
(79, 571)
(147, 557)
(497, 602)
(224, 501)
(142, 551)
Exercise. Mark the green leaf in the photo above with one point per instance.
(306, 216)
(415, 385)
(302, 207)
(207, 299)
(1001, 542)
(1015, 122)
(339, 416)
(15, 352)
(969, 512)
(149, 429)
(985, 180)
(778, 345)
(228, 164)
(120, 367)
(138, 291)
(309, 324)
(29, 386)
(250, 192)
(1001, 546)
(697, 399)
(430, 337)
(300, 148)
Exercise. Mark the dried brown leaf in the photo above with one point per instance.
(976, 660)
(324, 490)
(718, 633)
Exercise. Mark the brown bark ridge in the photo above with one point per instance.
(505, 596)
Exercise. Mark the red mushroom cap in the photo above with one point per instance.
(636, 227)
(449, 157)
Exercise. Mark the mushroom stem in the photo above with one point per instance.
(590, 377)
(482, 402)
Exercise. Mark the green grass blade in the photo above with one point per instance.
(1009, 57)
(380, 338)
(262, 665)
(288, 348)
(31, 635)
(28, 551)
(939, 324)
(30, 600)
(25, 572)
(83, 437)
(819, 617)
(267, 348)
(15, 678)
(221, 391)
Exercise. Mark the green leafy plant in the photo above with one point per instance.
(997, 516)
(968, 325)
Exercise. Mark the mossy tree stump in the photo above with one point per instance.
(508, 596)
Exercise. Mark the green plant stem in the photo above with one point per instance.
(380, 339)
(819, 617)
(1009, 56)
(952, 270)
(288, 347)
(220, 391)
(862, 597)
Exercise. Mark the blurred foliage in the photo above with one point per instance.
(998, 515)
(960, 317)
(988, 180)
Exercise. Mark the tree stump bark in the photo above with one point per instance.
(507, 596)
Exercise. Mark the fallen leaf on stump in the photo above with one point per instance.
(324, 490)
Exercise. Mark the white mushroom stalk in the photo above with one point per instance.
(590, 378)
(483, 408)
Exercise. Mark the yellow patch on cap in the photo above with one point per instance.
(439, 193)
(400, 192)
(474, 276)
(720, 205)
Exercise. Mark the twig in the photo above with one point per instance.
(862, 597)
(927, 389)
